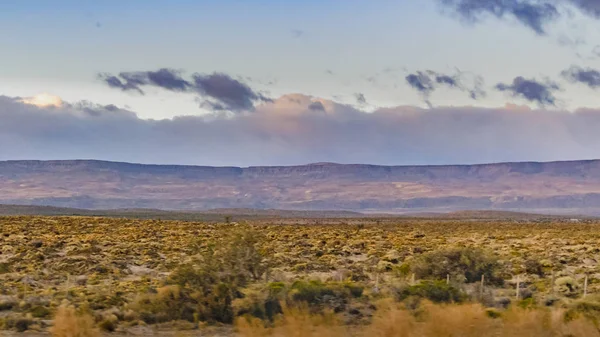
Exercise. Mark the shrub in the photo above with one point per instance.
(263, 303)
(435, 291)
(5, 268)
(22, 324)
(206, 288)
(40, 311)
(318, 294)
(567, 286)
(466, 263)
(533, 266)
(108, 325)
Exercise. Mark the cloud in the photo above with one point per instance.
(120, 83)
(227, 92)
(164, 78)
(531, 90)
(590, 7)
(43, 100)
(587, 76)
(285, 132)
(316, 106)
(533, 14)
(426, 82)
(217, 91)
(360, 98)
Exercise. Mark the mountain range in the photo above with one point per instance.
(551, 187)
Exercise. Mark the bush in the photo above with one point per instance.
(22, 324)
(206, 288)
(263, 303)
(40, 312)
(466, 263)
(435, 291)
(318, 294)
(4, 268)
(535, 267)
(567, 286)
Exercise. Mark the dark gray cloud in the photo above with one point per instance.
(120, 83)
(227, 92)
(587, 76)
(426, 82)
(285, 132)
(531, 90)
(360, 98)
(134, 80)
(533, 14)
(217, 91)
(316, 106)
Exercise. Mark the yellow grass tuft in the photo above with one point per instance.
(69, 323)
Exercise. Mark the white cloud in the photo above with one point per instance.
(43, 100)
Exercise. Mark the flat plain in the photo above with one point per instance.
(142, 276)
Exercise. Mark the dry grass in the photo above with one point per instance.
(467, 320)
(70, 323)
(295, 322)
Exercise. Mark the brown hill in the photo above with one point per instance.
(555, 187)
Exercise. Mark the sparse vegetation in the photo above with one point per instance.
(274, 278)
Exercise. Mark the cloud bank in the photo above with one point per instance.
(291, 130)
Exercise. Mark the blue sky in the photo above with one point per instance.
(285, 76)
(60, 46)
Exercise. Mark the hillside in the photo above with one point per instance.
(554, 187)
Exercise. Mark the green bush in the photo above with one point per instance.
(263, 303)
(585, 308)
(5, 268)
(466, 263)
(206, 288)
(534, 266)
(318, 294)
(40, 312)
(435, 291)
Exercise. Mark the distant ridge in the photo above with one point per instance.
(208, 215)
(561, 187)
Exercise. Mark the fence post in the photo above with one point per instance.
(585, 284)
(518, 286)
(552, 284)
(412, 279)
(482, 283)
(447, 278)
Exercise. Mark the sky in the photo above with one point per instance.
(404, 82)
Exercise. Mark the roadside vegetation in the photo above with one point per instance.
(82, 276)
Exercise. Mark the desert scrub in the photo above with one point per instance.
(467, 264)
(435, 291)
